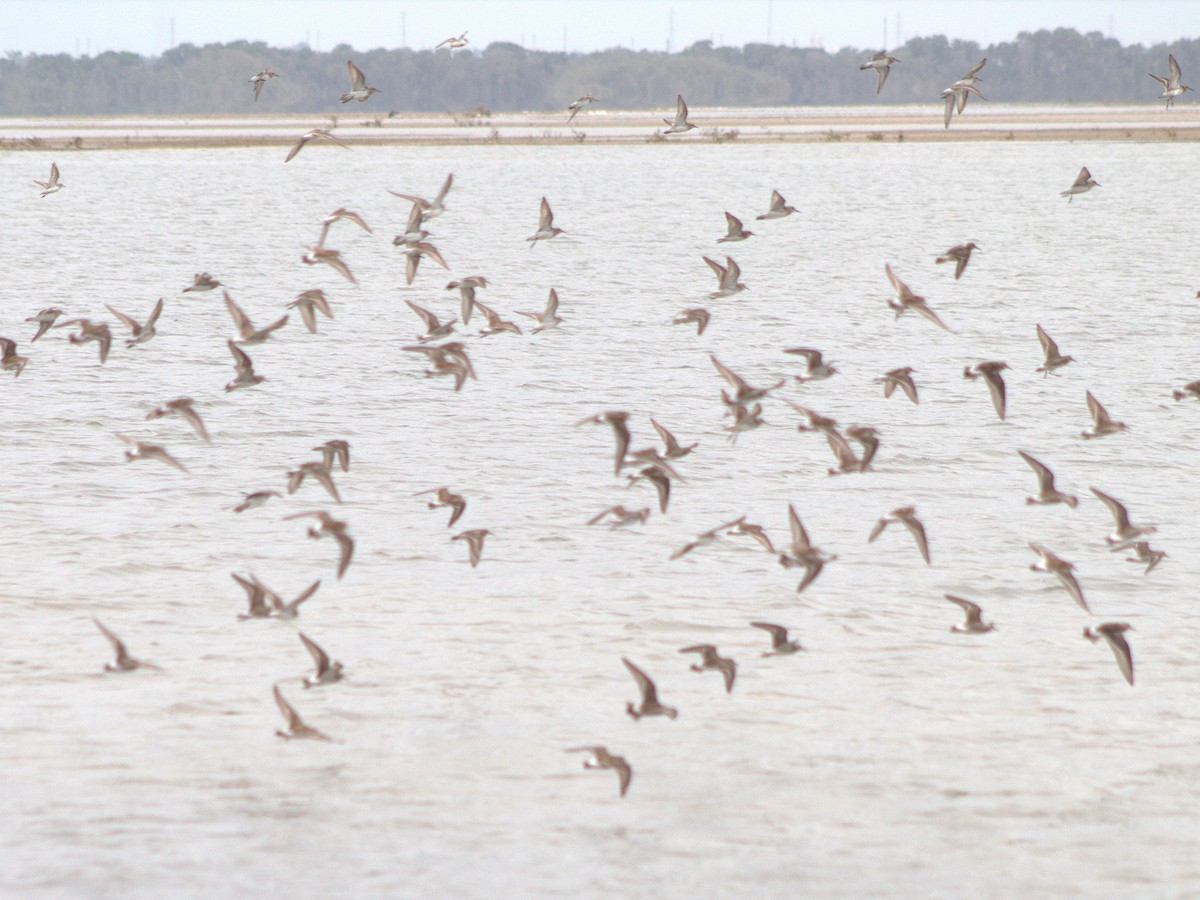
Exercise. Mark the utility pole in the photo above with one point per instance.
(403, 29)
(670, 29)
(172, 44)
(885, 43)
(769, 21)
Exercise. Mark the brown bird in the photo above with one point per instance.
(143, 450)
(45, 319)
(899, 378)
(89, 331)
(311, 136)
(309, 303)
(184, 407)
(296, 728)
(990, 373)
(908, 300)
(1102, 422)
(331, 527)
(244, 367)
(319, 473)
(780, 645)
(10, 359)
(141, 333)
(802, 552)
(710, 660)
(619, 421)
(474, 539)
(697, 316)
(602, 759)
(960, 255)
(649, 705)
(1047, 493)
(1061, 569)
(906, 516)
(249, 334)
(1054, 359)
(446, 497)
(335, 452)
(1114, 633)
(124, 662)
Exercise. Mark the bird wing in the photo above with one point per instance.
(996, 388)
(681, 112)
(240, 320)
(645, 685)
(974, 613)
(129, 322)
(923, 309)
(117, 644)
(289, 713)
(241, 360)
(902, 289)
(918, 532)
(1099, 413)
(427, 318)
(1116, 640)
(441, 195)
(320, 657)
(358, 81)
(882, 72)
(154, 314)
(778, 632)
(1176, 78)
(800, 542)
(545, 216)
(1044, 476)
(1119, 513)
(733, 379)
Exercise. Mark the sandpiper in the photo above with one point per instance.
(45, 319)
(454, 43)
(330, 527)
(260, 79)
(733, 230)
(319, 473)
(291, 609)
(466, 289)
(202, 282)
(244, 367)
(414, 252)
(1172, 86)
(882, 64)
(331, 258)
(1145, 554)
(53, 185)
(327, 672)
(960, 255)
(661, 482)
(745, 393)
(474, 539)
(906, 516)
(1061, 569)
(547, 318)
(429, 209)
(90, 331)
(620, 517)
(974, 623)
(1083, 184)
(672, 447)
(141, 333)
(124, 662)
(868, 437)
(495, 324)
(706, 537)
(1047, 494)
(184, 407)
(1102, 423)
(817, 368)
(602, 759)
(649, 705)
(697, 316)
(546, 229)
(358, 85)
(780, 645)
(1054, 359)
(333, 452)
(296, 728)
(144, 450)
(434, 329)
(255, 499)
(990, 372)
(256, 597)
(803, 553)
(681, 125)
(447, 498)
(1191, 389)
(778, 208)
(1114, 633)
(901, 378)
(249, 334)
(727, 278)
(1124, 531)
(338, 215)
(311, 136)
(908, 300)
(619, 420)
(709, 659)
(309, 303)
(10, 359)
(579, 104)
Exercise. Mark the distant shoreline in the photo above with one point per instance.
(980, 122)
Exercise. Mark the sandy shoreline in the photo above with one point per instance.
(994, 122)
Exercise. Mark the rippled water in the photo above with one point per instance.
(891, 757)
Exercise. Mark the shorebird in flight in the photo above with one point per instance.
(144, 450)
(1064, 571)
(882, 64)
(727, 278)
(89, 331)
(681, 125)
(45, 319)
(744, 392)
(1047, 494)
(579, 104)
(974, 623)
(620, 517)
(1102, 422)
(1125, 533)
(907, 300)
(778, 208)
(697, 316)
(184, 407)
(906, 516)
(10, 359)
(733, 230)
(1172, 86)
(244, 367)
(330, 527)
(311, 136)
(619, 420)
(335, 452)
(602, 759)
(53, 185)
(319, 473)
(202, 282)
(466, 291)
(649, 696)
(1083, 184)
(474, 539)
(434, 329)
(780, 645)
(1145, 554)
(1114, 634)
(358, 85)
(817, 368)
(899, 378)
(547, 318)
(327, 672)
(454, 43)
(960, 255)
(309, 303)
(709, 659)
(255, 499)
(249, 334)
(296, 728)
(990, 372)
(124, 662)
(260, 79)
(672, 447)
(447, 498)
(429, 208)
(802, 553)
(1054, 359)
(141, 333)
(546, 229)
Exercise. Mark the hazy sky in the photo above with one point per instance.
(145, 26)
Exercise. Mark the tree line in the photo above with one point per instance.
(1061, 65)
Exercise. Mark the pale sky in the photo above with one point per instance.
(146, 26)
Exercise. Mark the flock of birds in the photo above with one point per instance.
(743, 403)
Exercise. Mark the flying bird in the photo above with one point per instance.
(974, 623)
(296, 727)
(1124, 531)
(546, 228)
(579, 104)
(709, 659)
(124, 662)
(327, 672)
(1172, 88)
(244, 367)
(309, 303)
(990, 373)
(899, 378)
(1114, 634)
(1083, 184)
(53, 184)
(1054, 359)
(727, 278)
(649, 705)
(260, 79)
(906, 516)
(1047, 493)
(1102, 423)
(312, 136)
(602, 759)
(780, 645)
(1064, 571)
(185, 408)
(143, 450)
(960, 255)
(681, 125)
(447, 498)
(45, 319)
(882, 64)
(10, 359)
(358, 85)
(908, 300)
(474, 539)
(330, 527)
(249, 334)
